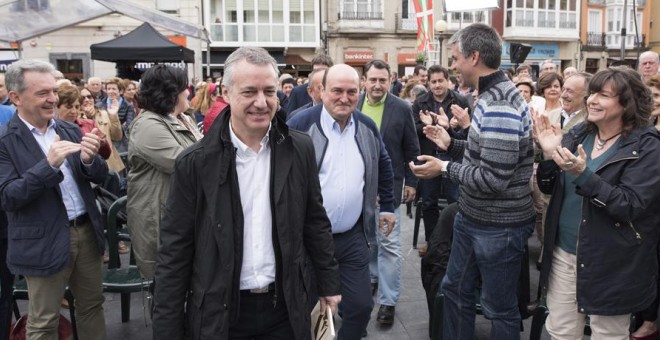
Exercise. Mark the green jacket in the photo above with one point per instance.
(155, 142)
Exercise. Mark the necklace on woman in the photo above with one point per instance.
(600, 143)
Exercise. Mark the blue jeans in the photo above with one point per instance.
(385, 261)
(495, 254)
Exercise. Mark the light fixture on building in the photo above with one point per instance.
(440, 28)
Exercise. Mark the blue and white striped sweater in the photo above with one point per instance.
(497, 157)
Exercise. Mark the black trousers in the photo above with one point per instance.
(262, 317)
(352, 253)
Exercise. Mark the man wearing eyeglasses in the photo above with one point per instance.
(394, 119)
(574, 100)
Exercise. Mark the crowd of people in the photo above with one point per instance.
(255, 196)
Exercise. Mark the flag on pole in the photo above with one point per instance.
(424, 14)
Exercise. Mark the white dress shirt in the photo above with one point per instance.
(341, 174)
(253, 169)
(73, 201)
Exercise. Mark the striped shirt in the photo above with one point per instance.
(497, 157)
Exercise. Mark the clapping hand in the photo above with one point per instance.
(89, 146)
(438, 135)
(461, 115)
(570, 163)
(430, 118)
(548, 135)
(59, 150)
(113, 108)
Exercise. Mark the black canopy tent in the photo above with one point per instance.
(143, 44)
(135, 51)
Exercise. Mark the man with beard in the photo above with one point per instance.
(438, 99)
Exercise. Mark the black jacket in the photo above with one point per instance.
(617, 240)
(202, 235)
(396, 88)
(397, 128)
(425, 102)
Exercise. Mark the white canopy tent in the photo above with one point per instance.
(25, 19)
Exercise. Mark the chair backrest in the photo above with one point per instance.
(112, 183)
(113, 251)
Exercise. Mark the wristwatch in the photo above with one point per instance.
(443, 168)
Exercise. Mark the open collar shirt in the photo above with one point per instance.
(253, 170)
(341, 174)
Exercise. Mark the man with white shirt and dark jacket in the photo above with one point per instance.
(244, 223)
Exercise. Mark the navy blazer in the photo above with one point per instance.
(298, 97)
(39, 235)
(397, 128)
(298, 110)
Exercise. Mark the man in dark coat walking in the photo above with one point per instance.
(244, 225)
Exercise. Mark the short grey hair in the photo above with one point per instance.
(15, 75)
(479, 38)
(418, 90)
(253, 55)
(651, 54)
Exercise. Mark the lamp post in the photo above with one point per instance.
(440, 27)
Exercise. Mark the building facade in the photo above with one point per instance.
(601, 38)
(69, 48)
(551, 27)
(291, 30)
(585, 34)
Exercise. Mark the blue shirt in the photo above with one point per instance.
(341, 174)
(6, 112)
(73, 201)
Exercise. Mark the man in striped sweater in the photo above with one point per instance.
(496, 214)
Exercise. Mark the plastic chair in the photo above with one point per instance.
(116, 279)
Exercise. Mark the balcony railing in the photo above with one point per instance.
(524, 23)
(596, 39)
(408, 24)
(613, 41)
(567, 24)
(547, 23)
(352, 15)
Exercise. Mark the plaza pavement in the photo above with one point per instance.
(411, 320)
